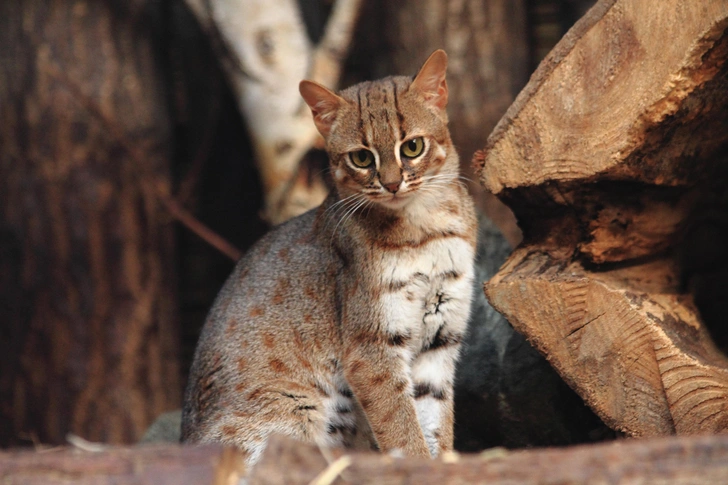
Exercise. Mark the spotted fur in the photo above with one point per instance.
(343, 326)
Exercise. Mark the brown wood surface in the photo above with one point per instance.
(614, 160)
(89, 338)
(694, 460)
(144, 465)
(685, 460)
(625, 339)
(602, 102)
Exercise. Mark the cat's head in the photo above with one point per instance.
(387, 140)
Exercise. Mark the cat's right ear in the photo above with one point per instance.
(430, 81)
(324, 105)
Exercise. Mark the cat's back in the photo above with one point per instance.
(273, 319)
(282, 273)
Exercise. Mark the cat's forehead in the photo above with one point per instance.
(381, 113)
(380, 91)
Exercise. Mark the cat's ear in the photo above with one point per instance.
(324, 105)
(430, 81)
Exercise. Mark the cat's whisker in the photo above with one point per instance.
(348, 204)
(341, 206)
(339, 202)
(442, 180)
(368, 207)
(360, 202)
(436, 185)
(334, 214)
(323, 171)
(430, 191)
(462, 177)
(440, 177)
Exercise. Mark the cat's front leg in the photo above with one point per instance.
(433, 370)
(433, 376)
(379, 380)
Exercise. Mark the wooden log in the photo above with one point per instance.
(685, 460)
(610, 157)
(89, 341)
(604, 99)
(625, 339)
(265, 51)
(144, 465)
(694, 460)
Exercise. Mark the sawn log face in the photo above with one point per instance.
(613, 159)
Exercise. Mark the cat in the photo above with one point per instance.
(342, 326)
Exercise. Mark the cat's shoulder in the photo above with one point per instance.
(282, 245)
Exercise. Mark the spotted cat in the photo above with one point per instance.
(343, 326)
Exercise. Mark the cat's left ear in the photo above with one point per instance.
(430, 81)
(324, 105)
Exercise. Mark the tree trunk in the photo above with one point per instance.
(614, 160)
(265, 51)
(89, 321)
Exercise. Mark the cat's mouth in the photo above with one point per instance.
(394, 201)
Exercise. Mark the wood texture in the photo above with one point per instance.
(89, 337)
(607, 94)
(694, 460)
(625, 339)
(145, 465)
(611, 157)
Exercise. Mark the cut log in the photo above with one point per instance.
(613, 159)
(696, 460)
(625, 339)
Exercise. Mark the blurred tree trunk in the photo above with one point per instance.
(88, 316)
(487, 46)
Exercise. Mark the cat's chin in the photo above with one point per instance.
(395, 202)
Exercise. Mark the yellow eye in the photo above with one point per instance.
(362, 158)
(412, 148)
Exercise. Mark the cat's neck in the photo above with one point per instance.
(448, 211)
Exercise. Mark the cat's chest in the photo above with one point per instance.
(425, 288)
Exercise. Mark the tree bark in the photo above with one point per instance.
(265, 51)
(89, 325)
(614, 158)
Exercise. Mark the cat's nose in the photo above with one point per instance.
(393, 187)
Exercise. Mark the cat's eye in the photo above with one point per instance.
(412, 148)
(362, 158)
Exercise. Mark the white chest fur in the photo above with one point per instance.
(426, 288)
(427, 294)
